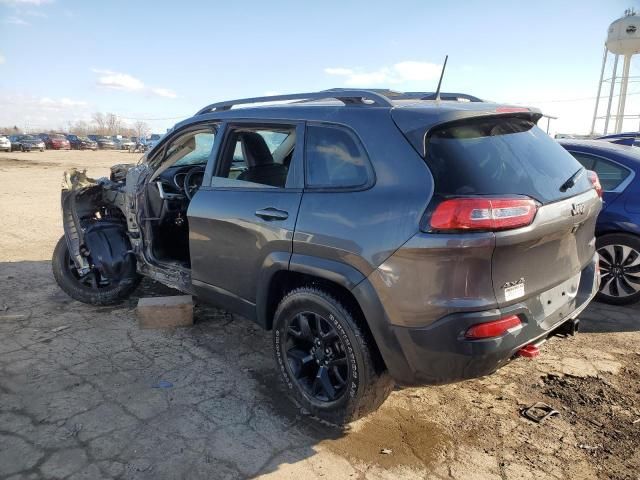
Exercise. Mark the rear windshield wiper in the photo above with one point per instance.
(571, 181)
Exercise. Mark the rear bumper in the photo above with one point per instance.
(439, 353)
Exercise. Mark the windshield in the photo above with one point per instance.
(499, 156)
(193, 150)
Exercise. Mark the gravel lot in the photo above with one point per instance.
(80, 394)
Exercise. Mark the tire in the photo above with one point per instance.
(351, 361)
(69, 282)
(619, 268)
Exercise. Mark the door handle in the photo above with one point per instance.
(271, 213)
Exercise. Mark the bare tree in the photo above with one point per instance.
(79, 127)
(100, 123)
(141, 129)
(113, 123)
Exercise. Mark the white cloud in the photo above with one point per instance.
(61, 103)
(417, 71)
(16, 21)
(41, 112)
(164, 92)
(118, 81)
(129, 83)
(402, 72)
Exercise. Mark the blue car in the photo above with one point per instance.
(618, 227)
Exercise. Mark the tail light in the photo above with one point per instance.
(478, 213)
(496, 328)
(595, 181)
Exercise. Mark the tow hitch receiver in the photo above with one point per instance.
(529, 351)
(569, 328)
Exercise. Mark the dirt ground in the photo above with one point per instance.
(85, 394)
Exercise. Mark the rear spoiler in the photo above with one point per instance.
(416, 123)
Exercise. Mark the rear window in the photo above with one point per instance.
(500, 156)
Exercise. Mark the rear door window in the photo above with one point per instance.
(611, 174)
(335, 158)
(500, 156)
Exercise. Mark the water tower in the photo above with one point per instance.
(623, 39)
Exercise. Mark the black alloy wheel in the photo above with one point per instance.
(317, 357)
(619, 268)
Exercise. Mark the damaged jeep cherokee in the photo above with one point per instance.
(383, 237)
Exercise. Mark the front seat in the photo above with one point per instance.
(261, 167)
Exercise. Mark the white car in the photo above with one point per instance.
(5, 144)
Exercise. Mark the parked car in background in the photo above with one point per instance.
(627, 138)
(81, 143)
(618, 227)
(419, 242)
(26, 143)
(104, 143)
(123, 143)
(5, 143)
(55, 141)
(152, 140)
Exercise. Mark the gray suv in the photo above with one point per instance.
(383, 237)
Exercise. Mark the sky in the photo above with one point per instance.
(160, 61)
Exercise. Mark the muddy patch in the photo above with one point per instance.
(392, 438)
(24, 163)
(606, 419)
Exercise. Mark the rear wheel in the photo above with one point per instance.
(325, 358)
(619, 268)
(91, 287)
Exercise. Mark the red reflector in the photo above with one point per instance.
(595, 181)
(492, 329)
(478, 213)
(529, 351)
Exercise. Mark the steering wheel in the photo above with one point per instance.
(189, 188)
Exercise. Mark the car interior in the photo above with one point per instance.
(251, 155)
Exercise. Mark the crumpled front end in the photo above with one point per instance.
(95, 225)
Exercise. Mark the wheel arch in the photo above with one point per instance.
(336, 278)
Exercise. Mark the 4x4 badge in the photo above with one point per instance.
(577, 209)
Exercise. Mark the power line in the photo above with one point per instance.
(154, 119)
(559, 100)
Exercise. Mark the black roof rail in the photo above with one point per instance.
(447, 96)
(346, 95)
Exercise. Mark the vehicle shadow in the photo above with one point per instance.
(199, 402)
(603, 318)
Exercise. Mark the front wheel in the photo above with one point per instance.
(90, 288)
(325, 359)
(619, 268)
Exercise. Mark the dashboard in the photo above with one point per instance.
(173, 178)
